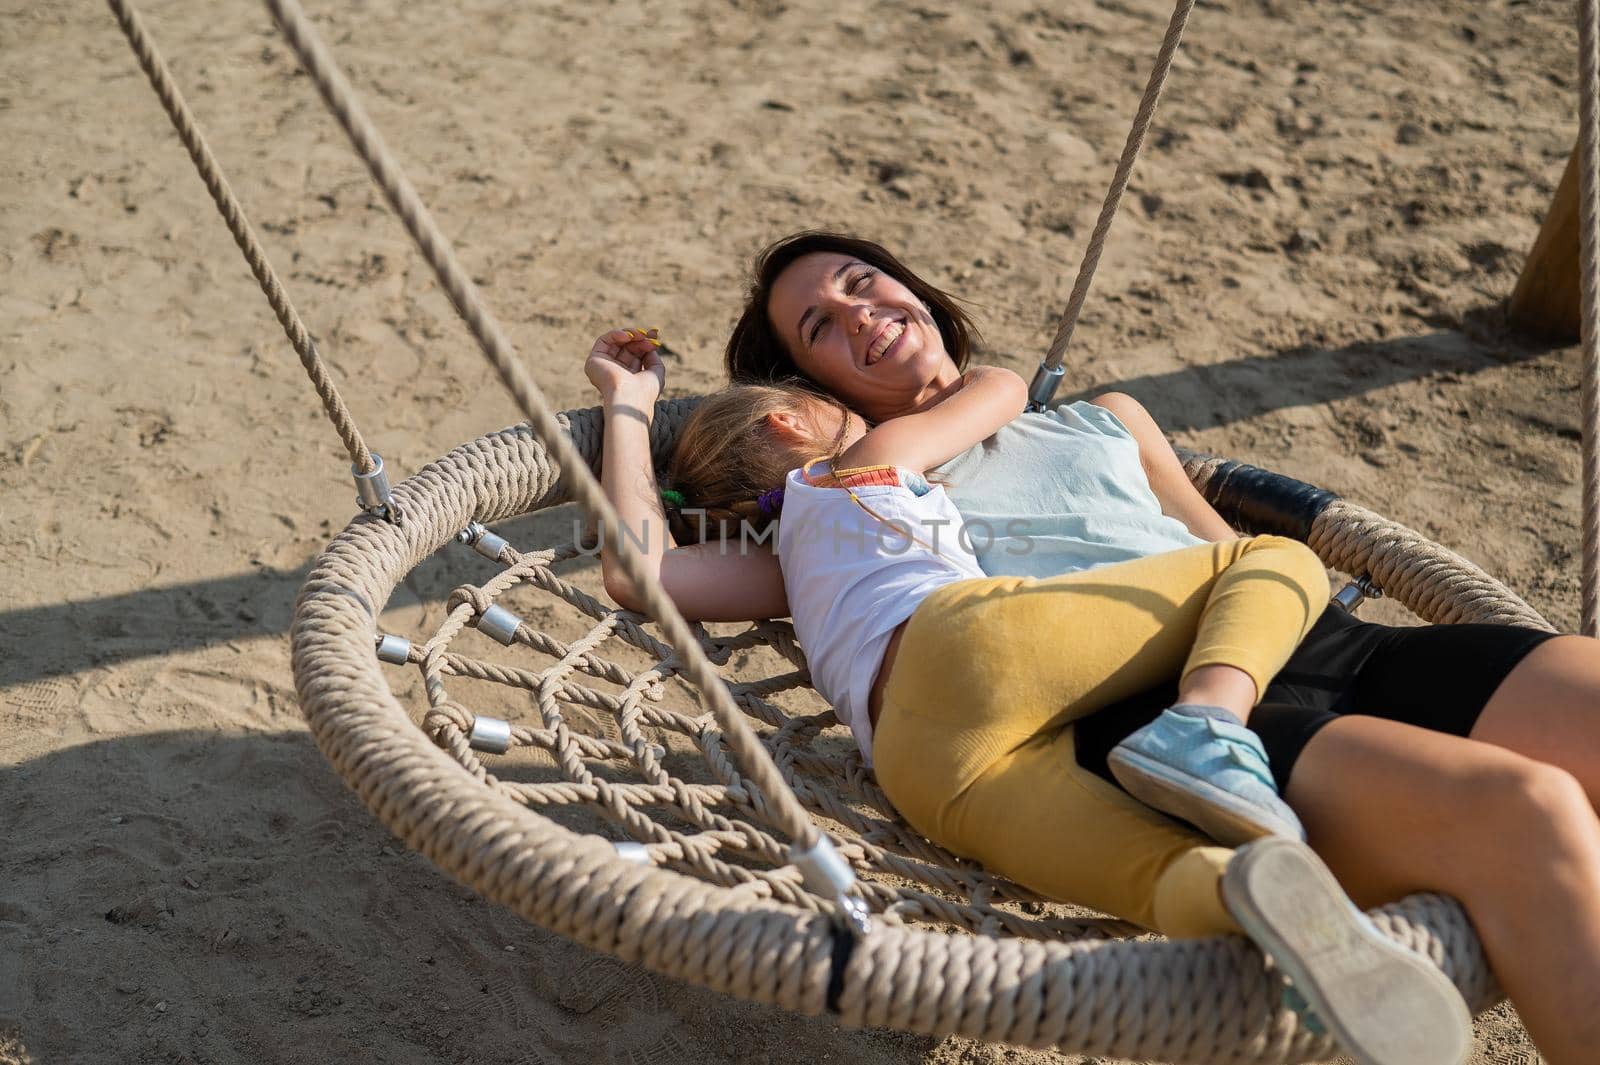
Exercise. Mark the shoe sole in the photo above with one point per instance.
(1385, 1004)
(1220, 814)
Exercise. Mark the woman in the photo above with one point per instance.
(950, 682)
(1461, 759)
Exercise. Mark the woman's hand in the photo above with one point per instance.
(626, 369)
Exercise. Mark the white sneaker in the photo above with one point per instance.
(1384, 1004)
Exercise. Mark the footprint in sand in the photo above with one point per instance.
(497, 1000)
(607, 986)
(498, 1006)
(626, 1003)
(40, 701)
(667, 1048)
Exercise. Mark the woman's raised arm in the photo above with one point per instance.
(989, 397)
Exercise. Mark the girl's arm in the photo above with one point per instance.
(707, 582)
(1174, 491)
(989, 397)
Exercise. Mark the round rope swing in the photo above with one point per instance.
(745, 846)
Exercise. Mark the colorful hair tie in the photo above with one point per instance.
(673, 497)
(770, 502)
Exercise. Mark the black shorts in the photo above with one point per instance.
(1437, 677)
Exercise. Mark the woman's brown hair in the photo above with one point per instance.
(756, 353)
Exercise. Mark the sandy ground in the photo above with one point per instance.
(1307, 274)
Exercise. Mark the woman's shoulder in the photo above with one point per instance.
(1108, 414)
(1131, 419)
(1119, 405)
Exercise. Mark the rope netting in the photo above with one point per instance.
(593, 727)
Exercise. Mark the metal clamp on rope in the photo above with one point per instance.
(1358, 590)
(477, 536)
(500, 624)
(372, 490)
(396, 650)
(1042, 389)
(829, 876)
(490, 734)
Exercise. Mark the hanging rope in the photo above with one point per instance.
(813, 851)
(1589, 189)
(1119, 184)
(155, 69)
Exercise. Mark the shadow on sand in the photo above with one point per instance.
(1249, 387)
(191, 896)
(183, 617)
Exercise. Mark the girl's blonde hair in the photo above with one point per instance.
(729, 462)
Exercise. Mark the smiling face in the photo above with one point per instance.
(860, 334)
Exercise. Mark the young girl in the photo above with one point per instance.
(961, 689)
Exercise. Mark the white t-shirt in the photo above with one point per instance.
(853, 577)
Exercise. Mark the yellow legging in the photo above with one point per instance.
(974, 741)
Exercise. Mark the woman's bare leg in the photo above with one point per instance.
(1395, 809)
(1548, 708)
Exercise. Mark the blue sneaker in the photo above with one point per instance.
(1199, 764)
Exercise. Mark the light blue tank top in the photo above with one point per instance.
(1059, 491)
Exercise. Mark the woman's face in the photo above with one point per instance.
(860, 334)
